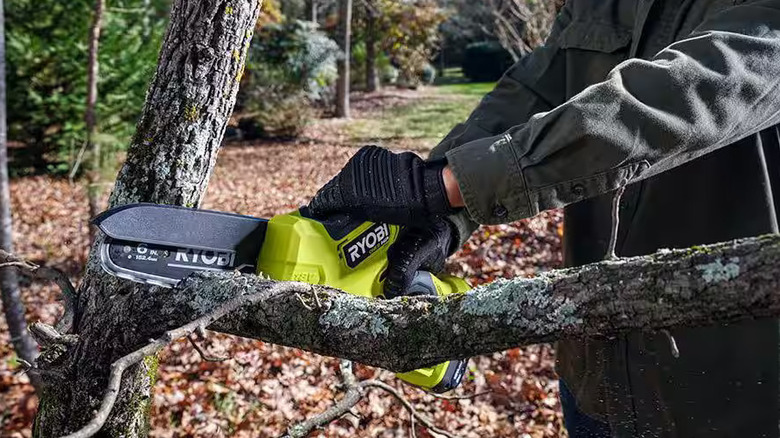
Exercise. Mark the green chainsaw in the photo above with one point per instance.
(161, 245)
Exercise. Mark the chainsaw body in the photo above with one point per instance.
(161, 245)
(351, 257)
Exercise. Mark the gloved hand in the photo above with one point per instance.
(380, 186)
(418, 248)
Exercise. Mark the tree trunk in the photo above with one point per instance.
(313, 10)
(23, 343)
(93, 66)
(345, 35)
(169, 161)
(372, 77)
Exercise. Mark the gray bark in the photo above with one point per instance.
(719, 284)
(372, 77)
(13, 308)
(169, 161)
(345, 36)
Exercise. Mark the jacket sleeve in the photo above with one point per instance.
(534, 84)
(716, 86)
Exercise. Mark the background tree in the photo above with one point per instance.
(90, 117)
(371, 41)
(47, 77)
(408, 32)
(467, 22)
(313, 6)
(345, 43)
(521, 25)
(13, 307)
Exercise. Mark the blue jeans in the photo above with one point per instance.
(577, 423)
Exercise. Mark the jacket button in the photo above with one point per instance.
(578, 190)
(500, 211)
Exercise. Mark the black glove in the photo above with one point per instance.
(380, 186)
(424, 248)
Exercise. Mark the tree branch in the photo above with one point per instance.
(716, 284)
(32, 270)
(691, 287)
(355, 392)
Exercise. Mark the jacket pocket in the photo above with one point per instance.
(592, 48)
(595, 36)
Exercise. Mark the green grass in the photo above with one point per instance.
(424, 122)
(470, 89)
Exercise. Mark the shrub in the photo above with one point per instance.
(428, 74)
(485, 62)
(291, 66)
(389, 74)
(409, 35)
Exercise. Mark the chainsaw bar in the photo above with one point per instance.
(163, 244)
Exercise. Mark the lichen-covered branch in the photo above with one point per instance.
(716, 284)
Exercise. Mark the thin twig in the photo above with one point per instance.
(119, 367)
(303, 303)
(203, 355)
(46, 273)
(611, 255)
(79, 158)
(672, 343)
(460, 397)
(354, 392)
(316, 298)
(419, 417)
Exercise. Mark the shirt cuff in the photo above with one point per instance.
(464, 228)
(490, 180)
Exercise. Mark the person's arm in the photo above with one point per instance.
(714, 87)
(534, 84)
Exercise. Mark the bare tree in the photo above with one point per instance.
(345, 36)
(521, 25)
(23, 343)
(312, 6)
(90, 117)
(372, 76)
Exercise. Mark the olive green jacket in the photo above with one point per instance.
(678, 99)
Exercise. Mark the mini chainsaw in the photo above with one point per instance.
(162, 244)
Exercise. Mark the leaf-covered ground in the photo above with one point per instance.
(264, 388)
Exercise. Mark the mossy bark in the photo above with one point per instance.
(169, 162)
